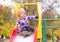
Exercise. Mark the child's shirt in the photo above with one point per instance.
(25, 22)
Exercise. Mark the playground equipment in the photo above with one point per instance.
(40, 36)
(44, 34)
(38, 31)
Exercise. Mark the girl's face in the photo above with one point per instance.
(22, 14)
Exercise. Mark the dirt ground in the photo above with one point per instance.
(5, 40)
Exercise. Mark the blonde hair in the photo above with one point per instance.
(21, 10)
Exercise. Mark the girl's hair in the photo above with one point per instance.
(21, 10)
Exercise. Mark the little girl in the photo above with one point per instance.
(24, 29)
(23, 20)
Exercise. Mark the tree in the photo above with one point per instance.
(7, 21)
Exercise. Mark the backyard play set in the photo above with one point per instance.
(40, 32)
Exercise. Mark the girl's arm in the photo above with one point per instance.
(32, 17)
(18, 25)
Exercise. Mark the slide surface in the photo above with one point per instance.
(15, 37)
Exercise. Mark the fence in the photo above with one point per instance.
(44, 37)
